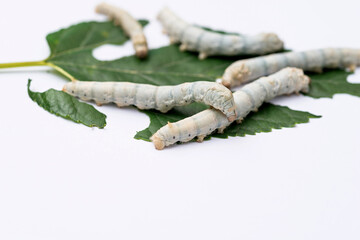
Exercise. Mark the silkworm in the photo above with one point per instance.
(208, 43)
(162, 98)
(249, 98)
(314, 60)
(130, 26)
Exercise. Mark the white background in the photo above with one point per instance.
(61, 180)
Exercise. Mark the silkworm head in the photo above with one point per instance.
(167, 135)
(227, 79)
(69, 88)
(101, 8)
(158, 142)
(140, 45)
(236, 74)
(141, 50)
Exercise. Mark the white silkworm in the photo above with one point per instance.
(130, 26)
(249, 98)
(208, 43)
(162, 98)
(314, 60)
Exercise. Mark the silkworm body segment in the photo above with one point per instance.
(207, 43)
(247, 99)
(130, 26)
(314, 60)
(162, 98)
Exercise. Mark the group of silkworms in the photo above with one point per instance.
(270, 76)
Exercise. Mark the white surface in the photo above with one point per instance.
(60, 180)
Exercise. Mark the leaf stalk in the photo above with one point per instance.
(23, 64)
(37, 63)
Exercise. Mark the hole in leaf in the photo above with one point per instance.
(109, 52)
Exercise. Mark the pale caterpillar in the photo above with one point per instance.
(208, 43)
(162, 98)
(314, 60)
(249, 98)
(130, 26)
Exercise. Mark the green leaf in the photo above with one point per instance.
(68, 107)
(268, 117)
(331, 82)
(71, 50)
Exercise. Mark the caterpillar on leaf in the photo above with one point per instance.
(162, 98)
(243, 71)
(247, 99)
(208, 43)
